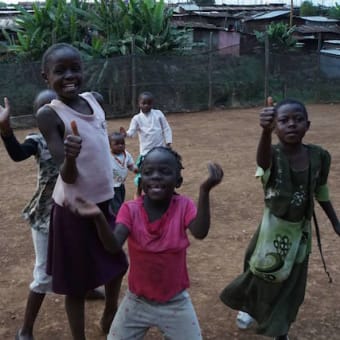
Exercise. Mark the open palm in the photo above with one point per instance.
(4, 112)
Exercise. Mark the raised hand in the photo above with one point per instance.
(4, 116)
(215, 176)
(267, 115)
(82, 207)
(72, 143)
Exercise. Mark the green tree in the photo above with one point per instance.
(116, 25)
(54, 21)
(279, 36)
(334, 12)
(308, 9)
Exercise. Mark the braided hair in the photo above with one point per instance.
(173, 153)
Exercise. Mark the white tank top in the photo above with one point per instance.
(94, 181)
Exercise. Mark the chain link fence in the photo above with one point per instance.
(185, 83)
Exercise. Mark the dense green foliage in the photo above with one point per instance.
(143, 24)
(55, 21)
(279, 36)
(334, 12)
(102, 29)
(308, 9)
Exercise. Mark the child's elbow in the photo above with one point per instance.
(200, 235)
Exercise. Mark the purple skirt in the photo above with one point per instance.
(77, 259)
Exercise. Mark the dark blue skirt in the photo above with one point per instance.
(77, 259)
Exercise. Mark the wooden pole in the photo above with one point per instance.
(266, 68)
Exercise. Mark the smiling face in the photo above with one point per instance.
(63, 72)
(159, 175)
(291, 124)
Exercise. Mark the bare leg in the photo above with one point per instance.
(112, 290)
(74, 306)
(33, 305)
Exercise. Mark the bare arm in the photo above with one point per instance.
(64, 151)
(5, 125)
(112, 241)
(264, 151)
(18, 152)
(267, 122)
(327, 207)
(167, 132)
(200, 226)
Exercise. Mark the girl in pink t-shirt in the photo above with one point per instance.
(155, 225)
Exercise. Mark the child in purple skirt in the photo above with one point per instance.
(77, 259)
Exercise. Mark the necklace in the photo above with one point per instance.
(120, 162)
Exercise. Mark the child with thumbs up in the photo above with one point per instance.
(74, 127)
(272, 287)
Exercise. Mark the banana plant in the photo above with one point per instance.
(54, 21)
(279, 35)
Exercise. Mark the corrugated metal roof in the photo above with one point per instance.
(212, 14)
(186, 7)
(319, 19)
(331, 52)
(308, 29)
(269, 15)
(198, 25)
(335, 42)
(7, 23)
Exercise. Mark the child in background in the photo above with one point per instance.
(272, 286)
(152, 128)
(77, 259)
(122, 162)
(155, 226)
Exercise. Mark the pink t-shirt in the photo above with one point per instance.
(157, 250)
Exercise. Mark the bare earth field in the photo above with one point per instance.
(230, 138)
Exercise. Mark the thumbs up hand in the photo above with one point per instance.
(267, 116)
(72, 142)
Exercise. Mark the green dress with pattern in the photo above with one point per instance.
(288, 197)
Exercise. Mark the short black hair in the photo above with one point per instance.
(116, 135)
(146, 94)
(51, 50)
(291, 101)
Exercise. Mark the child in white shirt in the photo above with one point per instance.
(152, 128)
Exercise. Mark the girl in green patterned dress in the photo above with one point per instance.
(272, 286)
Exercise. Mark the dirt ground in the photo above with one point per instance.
(230, 138)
